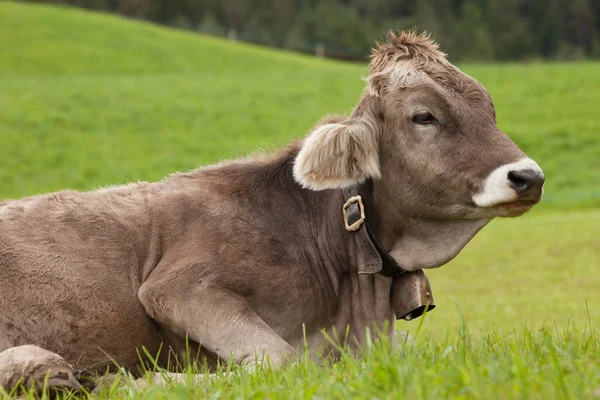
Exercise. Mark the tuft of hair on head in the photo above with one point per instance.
(406, 53)
(406, 45)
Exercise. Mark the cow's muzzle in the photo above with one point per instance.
(519, 184)
(411, 295)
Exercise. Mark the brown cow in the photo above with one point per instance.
(239, 256)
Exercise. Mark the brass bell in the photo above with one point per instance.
(411, 295)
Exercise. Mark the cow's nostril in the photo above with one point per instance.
(518, 181)
(526, 181)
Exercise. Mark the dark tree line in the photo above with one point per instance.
(469, 30)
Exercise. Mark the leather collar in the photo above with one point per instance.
(375, 258)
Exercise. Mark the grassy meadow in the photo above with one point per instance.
(89, 100)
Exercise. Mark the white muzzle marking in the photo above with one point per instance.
(496, 188)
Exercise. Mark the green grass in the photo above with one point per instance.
(538, 270)
(88, 100)
(522, 364)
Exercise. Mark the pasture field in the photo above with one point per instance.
(89, 100)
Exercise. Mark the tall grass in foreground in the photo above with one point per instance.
(542, 364)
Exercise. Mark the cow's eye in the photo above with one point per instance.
(424, 118)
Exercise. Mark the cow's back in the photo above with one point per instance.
(69, 274)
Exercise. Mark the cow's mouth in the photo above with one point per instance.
(515, 208)
(519, 204)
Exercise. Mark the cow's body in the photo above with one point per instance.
(246, 258)
(73, 263)
(61, 254)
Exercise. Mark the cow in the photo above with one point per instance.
(260, 255)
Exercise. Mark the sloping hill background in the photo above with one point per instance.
(88, 99)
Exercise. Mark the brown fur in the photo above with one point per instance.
(239, 257)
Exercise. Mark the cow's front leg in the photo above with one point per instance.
(33, 367)
(218, 319)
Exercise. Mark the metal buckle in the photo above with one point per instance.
(356, 225)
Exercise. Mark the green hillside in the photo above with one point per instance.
(88, 99)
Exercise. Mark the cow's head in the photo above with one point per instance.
(426, 134)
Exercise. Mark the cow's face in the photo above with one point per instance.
(427, 134)
(440, 151)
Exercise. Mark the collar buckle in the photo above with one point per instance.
(354, 213)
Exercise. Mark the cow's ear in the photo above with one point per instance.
(339, 154)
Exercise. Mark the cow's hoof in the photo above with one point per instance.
(108, 381)
(55, 380)
(403, 339)
(30, 366)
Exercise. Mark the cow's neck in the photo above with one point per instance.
(350, 299)
(366, 303)
(358, 220)
(364, 300)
